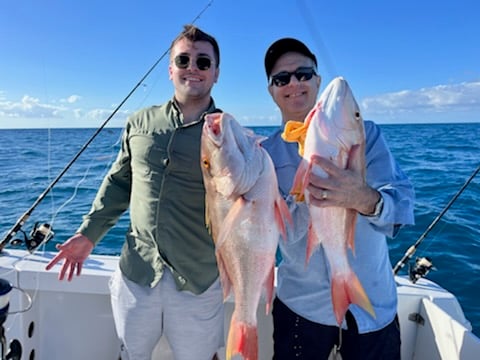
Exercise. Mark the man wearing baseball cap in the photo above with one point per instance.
(305, 326)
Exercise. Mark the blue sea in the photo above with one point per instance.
(438, 159)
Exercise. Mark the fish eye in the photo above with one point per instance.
(206, 163)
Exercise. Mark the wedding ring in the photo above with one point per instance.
(324, 195)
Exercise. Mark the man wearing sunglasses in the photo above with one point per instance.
(304, 323)
(167, 282)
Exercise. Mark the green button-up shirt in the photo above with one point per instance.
(157, 174)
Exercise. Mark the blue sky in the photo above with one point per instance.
(70, 63)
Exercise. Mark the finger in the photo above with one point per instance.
(319, 202)
(79, 268)
(63, 270)
(52, 262)
(72, 271)
(328, 166)
(316, 181)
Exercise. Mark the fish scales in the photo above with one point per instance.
(333, 129)
(246, 216)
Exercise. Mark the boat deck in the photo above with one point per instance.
(74, 320)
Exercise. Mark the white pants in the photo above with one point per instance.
(192, 324)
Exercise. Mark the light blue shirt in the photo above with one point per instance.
(306, 289)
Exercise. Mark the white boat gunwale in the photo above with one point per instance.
(74, 318)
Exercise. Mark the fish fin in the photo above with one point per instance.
(356, 159)
(299, 182)
(295, 131)
(242, 339)
(312, 242)
(229, 221)
(348, 290)
(269, 285)
(224, 278)
(350, 220)
(224, 233)
(208, 222)
(282, 213)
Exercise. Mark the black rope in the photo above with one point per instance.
(411, 250)
(21, 221)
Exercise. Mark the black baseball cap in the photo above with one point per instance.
(282, 46)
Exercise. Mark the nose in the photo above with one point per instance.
(293, 80)
(192, 64)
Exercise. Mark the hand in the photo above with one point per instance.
(342, 187)
(75, 251)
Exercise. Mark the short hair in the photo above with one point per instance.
(193, 33)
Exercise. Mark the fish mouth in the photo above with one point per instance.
(213, 128)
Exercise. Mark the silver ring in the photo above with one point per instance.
(324, 195)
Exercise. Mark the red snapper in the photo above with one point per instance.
(246, 215)
(334, 130)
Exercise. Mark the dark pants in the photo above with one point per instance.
(298, 338)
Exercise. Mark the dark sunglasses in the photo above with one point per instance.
(283, 78)
(203, 62)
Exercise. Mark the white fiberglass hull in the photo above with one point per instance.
(73, 320)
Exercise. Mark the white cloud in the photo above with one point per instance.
(71, 99)
(441, 103)
(33, 112)
(103, 114)
(29, 107)
(441, 98)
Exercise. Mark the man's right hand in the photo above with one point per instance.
(74, 251)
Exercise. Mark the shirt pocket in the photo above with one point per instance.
(149, 155)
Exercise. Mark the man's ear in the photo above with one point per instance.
(270, 90)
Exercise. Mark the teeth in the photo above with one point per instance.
(296, 94)
(192, 79)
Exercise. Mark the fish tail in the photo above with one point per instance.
(242, 339)
(348, 290)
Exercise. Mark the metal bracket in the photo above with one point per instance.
(417, 318)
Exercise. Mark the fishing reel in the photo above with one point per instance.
(38, 236)
(421, 268)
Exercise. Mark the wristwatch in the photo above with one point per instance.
(378, 208)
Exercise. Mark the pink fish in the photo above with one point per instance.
(334, 130)
(246, 215)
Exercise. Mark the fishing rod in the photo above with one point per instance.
(44, 236)
(425, 264)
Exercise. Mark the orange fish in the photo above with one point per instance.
(334, 130)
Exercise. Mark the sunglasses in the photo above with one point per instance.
(183, 61)
(283, 78)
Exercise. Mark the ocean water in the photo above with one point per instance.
(438, 159)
